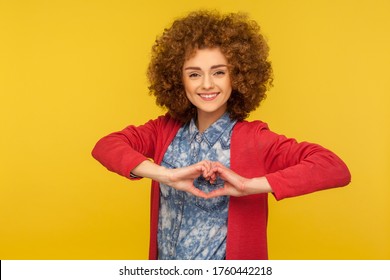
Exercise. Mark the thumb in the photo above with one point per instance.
(217, 193)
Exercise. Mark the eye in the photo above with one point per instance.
(193, 75)
(219, 73)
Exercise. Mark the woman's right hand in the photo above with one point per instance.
(183, 178)
(179, 178)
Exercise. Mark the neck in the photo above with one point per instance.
(205, 120)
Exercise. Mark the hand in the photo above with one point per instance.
(236, 185)
(183, 178)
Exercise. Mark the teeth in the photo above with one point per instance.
(208, 95)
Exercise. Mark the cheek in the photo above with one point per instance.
(188, 92)
(229, 82)
(190, 99)
(185, 83)
(190, 87)
(227, 86)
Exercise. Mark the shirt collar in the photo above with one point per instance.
(214, 132)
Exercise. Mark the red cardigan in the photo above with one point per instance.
(291, 168)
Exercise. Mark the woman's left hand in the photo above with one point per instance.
(236, 185)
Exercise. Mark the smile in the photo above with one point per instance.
(208, 96)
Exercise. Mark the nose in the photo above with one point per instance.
(208, 82)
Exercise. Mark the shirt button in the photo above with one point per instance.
(198, 138)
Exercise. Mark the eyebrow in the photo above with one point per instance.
(212, 67)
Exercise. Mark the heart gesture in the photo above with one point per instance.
(234, 184)
(183, 179)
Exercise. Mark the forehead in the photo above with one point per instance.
(205, 58)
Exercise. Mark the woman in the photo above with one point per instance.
(211, 169)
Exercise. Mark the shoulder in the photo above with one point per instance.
(256, 133)
(164, 122)
(250, 126)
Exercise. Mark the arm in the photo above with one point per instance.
(281, 165)
(295, 169)
(127, 152)
(180, 178)
(122, 151)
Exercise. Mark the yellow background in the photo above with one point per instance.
(72, 71)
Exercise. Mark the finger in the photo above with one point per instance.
(197, 192)
(221, 172)
(217, 193)
(201, 169)
(213, 178)
(231, 177)
(208, 173)
(208, 164)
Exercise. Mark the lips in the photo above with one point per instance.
(208, 96)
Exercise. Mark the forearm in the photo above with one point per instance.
(294, 169)
(319, 171)
(257, 185)
(151, 170)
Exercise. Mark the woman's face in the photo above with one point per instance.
(207, 82)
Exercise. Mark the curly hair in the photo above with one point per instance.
(238, 38)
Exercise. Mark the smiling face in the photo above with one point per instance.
(207, 84)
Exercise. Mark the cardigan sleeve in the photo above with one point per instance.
(122, 151)
(300, 168)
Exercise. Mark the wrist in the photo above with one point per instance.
(148, 169)
(258, 185)
(162, 175)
